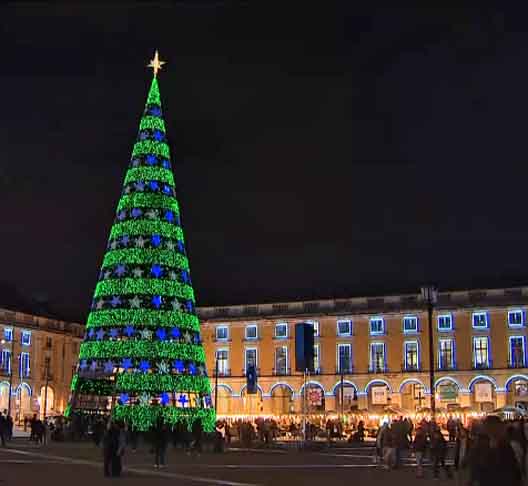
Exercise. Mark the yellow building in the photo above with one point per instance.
(381, 346)
(41, 353)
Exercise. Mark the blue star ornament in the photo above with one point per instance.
(126, 363)
(179, 366)
(140, 186)
(183, 400)
(165, 399)
(121, 215)
(161, 334)
(175, 333)
(136, 212)
(100, 335)
(129, 330)
(155, 110)
(192, 369)
(123, 398)
(189, 305)
(154, 186)
(83, 364)
(114, 333)
(158, 135)
(108, 367)
(115, 301)
(185, 276)
(125, 240)
(91, 333)
(156, 270)
(155, 240)
(151, 159)
(156, 301)
(169, 216)
(93, 365)
(181, 247)
(165, 164)
(120, 270)
(166, 189)
(144, 365)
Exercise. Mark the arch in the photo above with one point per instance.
(482, 377)
(46, 402)
(4, 395)
(223, 385)
(345, 382)
(514, 377)
(377, 380)
(259, 388)
(416, 381)
(450, 379)
(26, 386)
(312, 383)
(281, 383)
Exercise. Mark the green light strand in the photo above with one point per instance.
(145, 227)
(142, 286)
(144, 147)
(149, 174)
(142, 349)
(146, 256)
(152, 123)
(141, 200)
(143, 317)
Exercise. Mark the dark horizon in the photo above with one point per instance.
(317, 153)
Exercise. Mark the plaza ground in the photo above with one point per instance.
(79, 464)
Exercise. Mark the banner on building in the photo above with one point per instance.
(448, 392)
(483, 392)
(315, 396)
(379, 395)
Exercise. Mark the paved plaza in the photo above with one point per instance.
(79, 464)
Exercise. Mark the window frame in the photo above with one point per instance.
(452, 364)
(226, 370)
(510, 354)
(251, 326)
(344, 334)
(317, 358)
(245, 357)
(487, 341)
(406, 364)
(516, 311)
(443, 316)
(338, 357)
(25, 334)
(371, 361)
(222, 326)
(23, 371)
(410, 317)
(281, 324)
(486, 320)
(11, 332)
(285, 349)
(7, 366)
(377, 319)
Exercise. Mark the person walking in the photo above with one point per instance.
(438, 453)
(420, 447)
(161, 439)
(197, 432)
(3, 429)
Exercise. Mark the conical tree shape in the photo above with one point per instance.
(142, 356)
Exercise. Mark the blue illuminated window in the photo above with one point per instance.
(222, 333)
(517, 351)
(377, 358)
(446, 354)
(344, 327)
(26, 338)
(411, 356)
(445, 322)
(6, 360)
(515, 318)
(8, 334)
(480, 320)
(481, 352)
(281, 330)
(377, 325)
(23, 362)
(410, 324)
(251, 331)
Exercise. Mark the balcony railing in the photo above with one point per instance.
(377, 369)
(410, 367)
(224, 372)
(517, 364)
(446, 367)
(281, 371)
(345, 370)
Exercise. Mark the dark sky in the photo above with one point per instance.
(317, 153)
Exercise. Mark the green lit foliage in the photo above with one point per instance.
(149, 173)
(154, 97)
(142, 349)
(127, 286)
(143, 317)
(139, 200)
(146, 255)
(142, 227)
(152, 123)
(151, 147)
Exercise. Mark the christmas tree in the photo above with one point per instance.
(142, 356)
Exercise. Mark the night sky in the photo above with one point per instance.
(317, 153)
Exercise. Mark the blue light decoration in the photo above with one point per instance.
(109, 367)
(116, 300)
(129, 330)
(144, 366)
(185, 276)
(156, 301)
(165, 164)
(140, 186)
(100, 334)
(158, 136)
(126, 363)
(197, 339)
(151, 159)
(175, 333)
(166, 189)
(155, 111)
(120, 270)
(169, 216)
(83, 364)
(143, 135)
(123, 398)
(121, 215)
(91, 333)
(93, 365)
(183, 400)
(136, 212)
(207, 401)
(135, 162)
(165, 399)
(154, 186)
(179, 366)
(125, 240)
(161, 334)
(189, 305)
(156, 270)
(181, 248)
(155, 240)
(192, 368)
(114, 333)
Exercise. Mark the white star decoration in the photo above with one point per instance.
(170, 245)
(99, 304)
(163, 367)
(140, 242)
(155, 63)
(152, 214)
(144, 399)
(113, 245)
(137, 272)
(146, 334)
(135, 303)
(176, 306)
(173, 275)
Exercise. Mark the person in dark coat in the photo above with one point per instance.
(161, 440)
(111, 451)
(438, 453)
(197, 432)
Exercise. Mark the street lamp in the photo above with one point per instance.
(430, 298)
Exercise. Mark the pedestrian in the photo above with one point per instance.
(110, 446)
(3, 429)
(9, 421)
(420, 447)
(197, 432)
(389, 448)
(161, 439)
(462, 448)
(438, 453)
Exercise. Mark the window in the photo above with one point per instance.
(344, 327)
(6, 360)
(517, 352)
(26, 338)
(411, 355)
(377, 357)
(222, 356)
(47, 367)
(481, 352)
(317, 361)
(515, 318)
(251, 331)
(480, 320)
(315, 325)
(222, 333)
(410, 324)
(344, 358)
(8, 334)
(281, 360)
(23, 362)
(281, 330)
(446, 354)
(49, 342)
(250, 358)
(377, 325)
(445, 322)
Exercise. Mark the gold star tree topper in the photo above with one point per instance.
(155, 63)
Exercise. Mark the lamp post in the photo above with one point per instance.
(216, 385)
(430, 298)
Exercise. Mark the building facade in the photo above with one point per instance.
(36, 354)
(372, 352)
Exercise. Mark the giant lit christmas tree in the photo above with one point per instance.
(142, 357)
